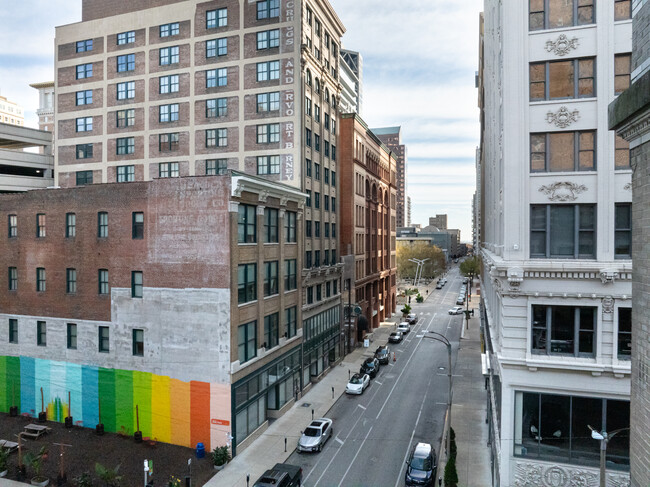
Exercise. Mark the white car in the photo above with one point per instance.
(357, 384)
(456, 310)
(404, 327)
(315, 435)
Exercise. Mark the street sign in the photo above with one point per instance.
(357, 310)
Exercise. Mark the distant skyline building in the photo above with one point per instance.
(45, 109)
(408, 211)
(392, 137)
(11, 113)
(439, 221)
(351, 78)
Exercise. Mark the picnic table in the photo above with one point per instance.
(8, 445)
(35, 430)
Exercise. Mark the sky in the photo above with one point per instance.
(419, 61)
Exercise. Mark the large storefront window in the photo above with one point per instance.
(321, 342)
(556, 428)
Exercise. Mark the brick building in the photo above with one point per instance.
(392, 137)
(175, 295)
(368, 218)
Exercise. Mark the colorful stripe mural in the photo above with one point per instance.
(170, 410)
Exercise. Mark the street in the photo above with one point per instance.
(405, 404)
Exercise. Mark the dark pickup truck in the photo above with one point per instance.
(282, 475)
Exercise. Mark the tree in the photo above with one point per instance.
(419, 250)
(471, 266)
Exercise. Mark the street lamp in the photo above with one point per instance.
(418, 271)
(604, 438)
(443, 339)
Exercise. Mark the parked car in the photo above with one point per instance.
(404, 327)
(370, 366)
(383, 354)
(456, 310)
(412, 319)
(282, 475)
(315, 435)
(465, 280)
(357, 384)
(460, 299)
(395, 337)
(421, 467)
(438, 286)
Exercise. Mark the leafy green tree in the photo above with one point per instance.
(434, 266)
(471, 266)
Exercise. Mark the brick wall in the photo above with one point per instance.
(184, 32)
(232, 54)
(68, 154)
(140, 66)
(67, 102)
(183, 117)
(68, 128)
(97, 9)
(232, 114)
(184, 59)
(200, 17)
(641, 36)
(183, 88)
(112, 45)
(69, 51)
(68, 76)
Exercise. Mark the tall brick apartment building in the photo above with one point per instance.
(392, 137)
(368, 220)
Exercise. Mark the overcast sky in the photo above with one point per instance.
(419, 60)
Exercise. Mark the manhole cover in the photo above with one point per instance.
(305, 404)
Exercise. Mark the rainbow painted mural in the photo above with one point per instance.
(170, 410)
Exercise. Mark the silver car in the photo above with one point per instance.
(315, 435)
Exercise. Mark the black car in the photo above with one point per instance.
(383, 355)
(421, 467)
(370, 366)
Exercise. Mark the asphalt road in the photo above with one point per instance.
(405, 404)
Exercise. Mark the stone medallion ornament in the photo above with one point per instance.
(563, 191)
(562, 45)
(563, 117)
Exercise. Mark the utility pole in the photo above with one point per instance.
(604, 438)
(443, 339)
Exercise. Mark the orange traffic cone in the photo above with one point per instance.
(394, 357)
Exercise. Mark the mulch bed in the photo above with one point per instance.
(110, 450)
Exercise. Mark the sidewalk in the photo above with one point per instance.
(268, 449)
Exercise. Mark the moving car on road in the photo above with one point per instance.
(383, 354)
(282, 475)
(395, 337)
(357, 384)
(370, 366)
(456, 310)
(421, 467)
(315, 435)
(460, 299)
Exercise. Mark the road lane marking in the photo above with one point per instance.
(362, 407)
(377, 382)
(339, 440)
(353, 459)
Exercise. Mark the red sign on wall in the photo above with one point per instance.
(221, 422)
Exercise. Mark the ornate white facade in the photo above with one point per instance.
(556, 284)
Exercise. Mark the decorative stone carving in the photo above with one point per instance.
(628, 187)
(238, 190)
(608, 305)
(263, 196)
(534, 474)
(515, 278)
(497, 284)
(563, 191)
(562, 45)
(283, 201)
(608, 276)
(563, 117)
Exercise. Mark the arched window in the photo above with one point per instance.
(308, 78)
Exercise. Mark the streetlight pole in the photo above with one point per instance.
(604, 438)
(443, 339)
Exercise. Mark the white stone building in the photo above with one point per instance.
(555, 239)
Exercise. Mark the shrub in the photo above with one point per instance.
(406, 309)
(451, 476)
(108, 475)
(83, 480)
(419, 298)
(220, 455)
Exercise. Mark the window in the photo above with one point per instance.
(71, 281)
(317, 142)
(268, 164)
(290, 227)
(83, 46)
(168, 30)
(316, 200)
(563, 231)
(70, 225)
(216, 77)
(136, 284)
(317, 113)
(308, 167)
(168, 142)
(319, 287)
(12, 224)
(317, 171)
(308, 228)
(125, 145)
(137, 225)
(564, 330)
(308, 259)
(308, 199)
(40, 225)
(271, 330)
(13, 330)
(333, 207)
(290, 322)
(268, 70)
(290, 280)
(270, 278)
(168, 113)
(138, 342)
(563, 151)
(317, 27)
(125, 174)
(126, 90)
(103, 342)
(267, 9)
(268, 102)
(271, 225)
(84, 124)
(623, 231)
(268, 39)
(333, 152)
(326, 121)
(308, 106)
(622, 10)
(624, 333)
(84, 177)
(72, 336)
(168, 55)
(622, 70)
(246, 224)
(327, 230)
(41, 333)
(168, 170)
(555, 80)
(326, 152)
(316, 258)
(84, 151)
(326, 202)
(168, 84)
(247, 341)
(310, 294)
(84, 97)
(334, 283)
(308, 76)
(216, 18)
(13, 279)
(216, 107)
(317, 229)
(102, 224)
(125, 118)
(102, 279)
(84, 71)
(268, 134)
(553, 14)
(308, 137)
(246, 283)
(333, 236)
(125, 63)
(622, 153)
(216, 137)
(126, 38)
(214, 167)
(328, 285)
(326, 176)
